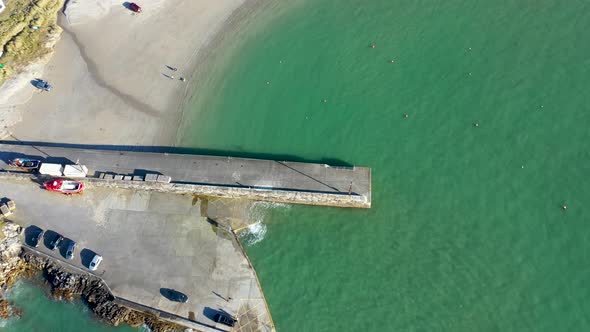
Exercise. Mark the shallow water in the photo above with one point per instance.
(39, 313)
(467, 231)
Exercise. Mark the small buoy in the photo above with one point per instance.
(391, 61)
(406, 116)
(267, 82)
(373, 45)
(476, 124)
(564, 207)
(325, 100)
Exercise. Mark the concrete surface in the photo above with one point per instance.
(149, 241)
(207, 170)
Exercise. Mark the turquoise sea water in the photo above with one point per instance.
(40, 314)
(466, 232)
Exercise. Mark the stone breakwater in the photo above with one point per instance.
(66, 285)
(15, 262)
(257, 194)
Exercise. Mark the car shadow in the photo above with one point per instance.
(48, 236)
(64, 246)
(30, 233)
(86, 256)
(35, 81)
(210, 313)
(171, 294)
(167, 293)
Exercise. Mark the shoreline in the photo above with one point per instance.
(66, 283)
(107, 68)
(108, 72)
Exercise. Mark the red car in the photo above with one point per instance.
(64, 186)
(135, 7)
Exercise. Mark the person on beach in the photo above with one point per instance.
(182, 79)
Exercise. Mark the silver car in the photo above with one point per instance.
(95, 262)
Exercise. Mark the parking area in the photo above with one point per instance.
(150, 242)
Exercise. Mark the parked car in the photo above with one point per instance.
(134, 7)
(64, 186)
(55, 241)
(43, 85)
(25, 164)
(95, 262)
(36, 239)
(174, 295)
(224, 319)
(71, 249)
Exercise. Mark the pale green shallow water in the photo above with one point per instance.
(39, 313)
(466, 232)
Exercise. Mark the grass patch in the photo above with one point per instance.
(21, 43)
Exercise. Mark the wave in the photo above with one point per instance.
(253, 234)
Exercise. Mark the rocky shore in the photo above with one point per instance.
(11, 266)
(65, 285)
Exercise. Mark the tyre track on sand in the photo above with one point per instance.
(100, 81)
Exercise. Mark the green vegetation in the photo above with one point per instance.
(27, 28)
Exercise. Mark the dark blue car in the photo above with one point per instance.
(43, 85)
(224, 319)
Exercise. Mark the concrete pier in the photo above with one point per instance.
(256, 179)
(150, 241)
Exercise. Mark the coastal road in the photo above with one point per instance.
(149, 241)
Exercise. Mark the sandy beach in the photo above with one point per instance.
(112, 83)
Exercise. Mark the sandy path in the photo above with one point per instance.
(109, 71)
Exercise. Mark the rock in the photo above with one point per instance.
(65, 285)
(10, 250)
